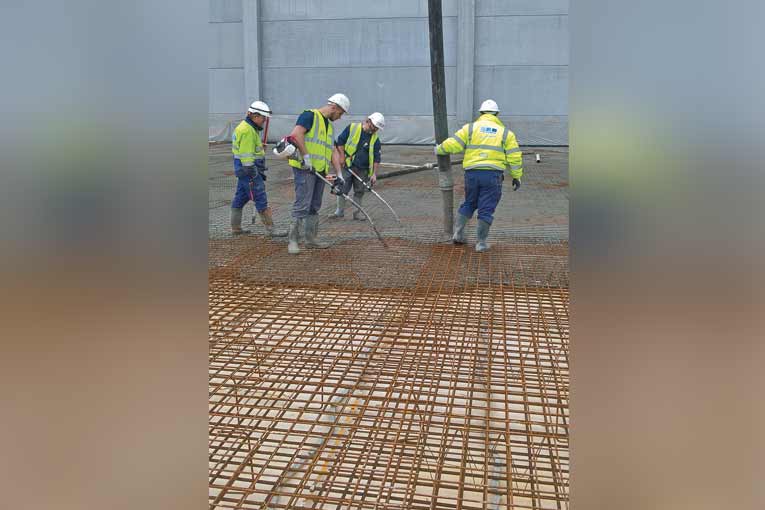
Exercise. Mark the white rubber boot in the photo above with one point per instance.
(340, 211)
(292, 246)
(459, 229)
(311, 233)
(236, 222)
(482, 232)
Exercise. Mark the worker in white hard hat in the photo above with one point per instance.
(358, 147)
(490, 149)
(312, 135)
(249, 168)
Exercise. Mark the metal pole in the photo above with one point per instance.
(438, 81)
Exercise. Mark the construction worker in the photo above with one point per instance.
(249, 168)
(490, 148)
(358, 146)
(312, 135)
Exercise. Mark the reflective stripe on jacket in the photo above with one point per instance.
(318, 143)
(488, 145)
(352, 145)
(246, 144)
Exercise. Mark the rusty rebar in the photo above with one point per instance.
(442, 394)
(424, 376)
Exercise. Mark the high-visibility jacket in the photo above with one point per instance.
(352, 145)
(488, 145)
(246, 146)
(318, 143)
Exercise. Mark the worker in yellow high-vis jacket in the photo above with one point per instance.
(250, 170)
(490, 149)
(312, 135)
(359, 148)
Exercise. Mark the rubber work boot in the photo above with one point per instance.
(268, 222)
(358, 215)
(482, 233)
(459, 229)
(236, 222)
(294, 233)
(311, 231)
(340, 211)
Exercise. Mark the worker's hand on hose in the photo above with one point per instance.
(516, 184)
(336, 189)
(339, 179)
(307, 163)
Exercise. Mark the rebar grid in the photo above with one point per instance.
(420, 376)
(366, 264)
(438, 384)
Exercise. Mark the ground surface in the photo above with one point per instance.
(538, 211)
(412, 375)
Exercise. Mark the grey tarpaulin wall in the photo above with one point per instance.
(293, 54)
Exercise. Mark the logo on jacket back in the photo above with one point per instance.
(489, 130)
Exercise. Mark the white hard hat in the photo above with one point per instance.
(378, 120)
(489, 106)
(341, 100)
(261, 108)
(284, 149)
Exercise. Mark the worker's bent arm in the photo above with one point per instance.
(454, 144)
(338, 158)
(377, 158)
(298, 134)
(513, 156)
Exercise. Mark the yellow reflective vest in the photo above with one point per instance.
(318, 143)
(246, 144)
(488, 145)
(352, 145)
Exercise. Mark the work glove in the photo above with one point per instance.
(246, 171)
(516, 184)
(260, 167)
(307, 163)
(435, 150)
(336, 189)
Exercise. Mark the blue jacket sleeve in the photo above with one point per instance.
(378, 151)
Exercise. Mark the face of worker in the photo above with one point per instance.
(257, 118)
(335, 113)
(368, 127)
